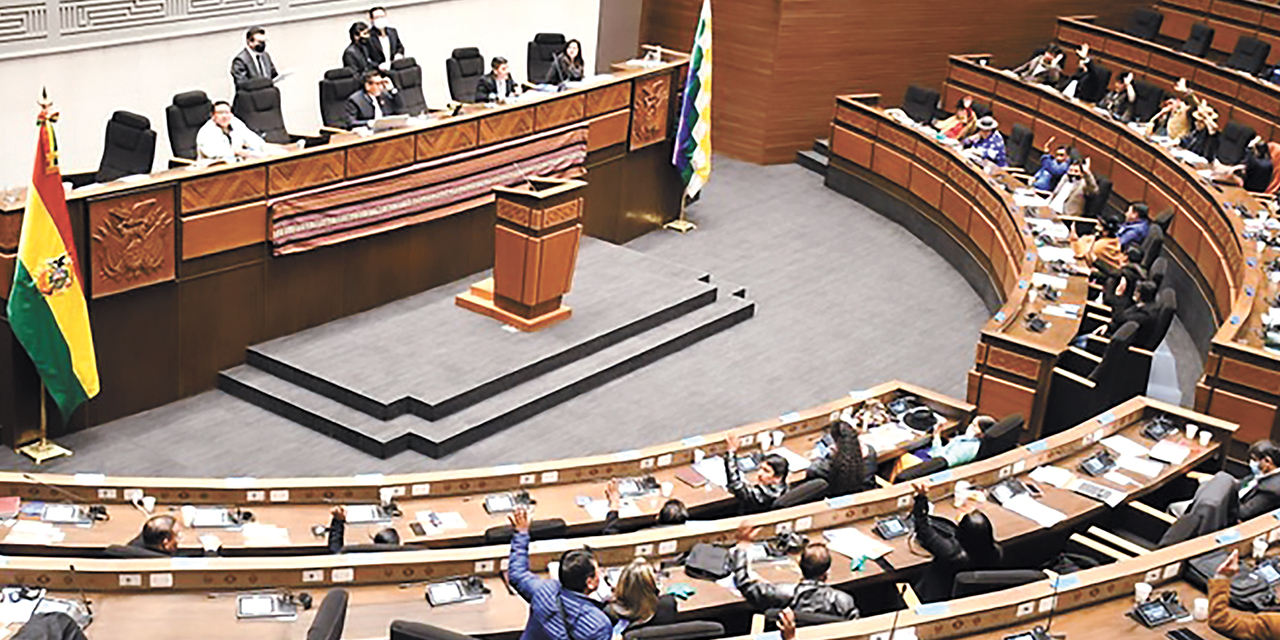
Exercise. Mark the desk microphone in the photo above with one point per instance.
(97, 512)
(84, 599)
(1057, 583)
(523, 176)
(893, 626)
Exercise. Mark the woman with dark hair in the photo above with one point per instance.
(846, 463)
(356, 55)
(567, 65)
(972, 547)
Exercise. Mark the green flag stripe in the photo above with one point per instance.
(36, 328)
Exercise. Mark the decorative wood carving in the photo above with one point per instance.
(223, 189)
(365, 159)
(311, 171)
(649, 114)
(513, 212)
(610, 98)
(549, 115)
(562, 213)
(132, 241)
(439, 141)
(505, 126)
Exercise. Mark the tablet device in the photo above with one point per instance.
(65, 514)
(264, 605)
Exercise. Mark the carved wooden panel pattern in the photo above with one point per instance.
(365, 159)
(853, 117)
(1018, 95)
(223, 189)
(440, 141)
(1261, 101)
(1171, 67)
(1069, 117)
(1213, 80)
(311, 171)
(610, 98)
(899, 138)
(10, 229)
(505, 126)
(649, 111)
(516, 213)
(1104, 134)
(607, 131)
(562, 213)
(549, 115)
(131, 241)
(1127, 53)
(971, 78)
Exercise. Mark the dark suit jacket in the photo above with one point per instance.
(356, 57)
(1263, 497)
(562, 71)
(359, 107)
(376, 54)
(1143, 314)
(244, 67)
(487, 87)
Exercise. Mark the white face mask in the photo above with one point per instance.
(1255, 467)
(380, 23)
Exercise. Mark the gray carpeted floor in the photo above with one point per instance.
(845, 299)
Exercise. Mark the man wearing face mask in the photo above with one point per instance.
(356, 56)
(1068, 198)
(384, 40)
(558, 608)
(1260, 492)
(253, 61)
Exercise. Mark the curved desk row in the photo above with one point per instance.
(297, 504)
(217, 256)
(1230, 20)
(1233, 94)
(137, 596)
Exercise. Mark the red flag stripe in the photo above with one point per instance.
(48, 186)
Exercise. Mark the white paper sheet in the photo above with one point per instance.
(1171, 452)
(1060, 311)
(1056, 282)
(1029, 200)
(1119, 478)
(598, 509)
(1124, 446)
(1149, 468)
(713, 470)
(1028, 507)
(855, 544)
(1056, 476)
(1056, 254)
(795, 461)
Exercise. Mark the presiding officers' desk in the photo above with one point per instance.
(185, 268)
(137, 598)
(1230, 20)
(296, 505)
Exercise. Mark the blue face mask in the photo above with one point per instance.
(1255, 467)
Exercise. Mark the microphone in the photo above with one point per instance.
(1052, 609)
(523, 176)
(84, 599)
(97, 512)
(893, 626)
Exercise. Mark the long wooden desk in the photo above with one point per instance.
(1230, 20)
(186, 268)
(297, 504)
(385, 585)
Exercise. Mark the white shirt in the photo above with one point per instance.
(1066, 187)
(212, 143)
(385, 43)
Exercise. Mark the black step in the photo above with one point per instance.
(822, 146)
(813, 161)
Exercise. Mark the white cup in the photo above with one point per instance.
(1141, 592)
(698, 455)
(1205, 437)
(1200, 609)
(668, 488)
(1191, 431)
(149, 504)
(188, 515)
(1259, 547)
(961, 493)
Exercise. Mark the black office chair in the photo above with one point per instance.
(549, 529)
(1095, 205)
(1249, 56)
(257, 104)
(336, 86)
(921, 470)
(1001, 437)
(1152, 245)
(1018, 151)
(1198, 41)
(542, 52)
(130, 147)
(1166, 309)
(920, 104)
(406, 630)
(1159, 269)
(1233, 140)
(1094, 86)
(130, 551)
(330, 617)
(1164, 219)
(1148, 98)
(1145, 24)
(50, 625)
(803, 618)
(805, 492)
(464, 68)
(1086, 385)
(407, 76)
(976, 583)
(189, 111)
(691, 630)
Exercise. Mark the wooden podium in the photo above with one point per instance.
(535, 251)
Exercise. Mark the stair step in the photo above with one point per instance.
(822, 146)
(813, 161)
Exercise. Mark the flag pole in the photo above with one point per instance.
(42, 449)
(681, 224)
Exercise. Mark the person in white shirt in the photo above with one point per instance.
(224, 138)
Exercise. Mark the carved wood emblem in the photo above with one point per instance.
(133, 241)
(649, 111)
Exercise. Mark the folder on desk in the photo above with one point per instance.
(65, 514)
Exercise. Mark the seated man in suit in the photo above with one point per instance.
(377, 99)
(1137, 222)
(986, 146)
(770, 484)
(159, 534)
(1052, 167)
(811, 595)
(1142, 311)
(224, 138)
(1044, 68)
(497, 85)
(253, 61)
(1068, 198)
(356, 56)
(1259, 492)
(384, 41)
(386, 539)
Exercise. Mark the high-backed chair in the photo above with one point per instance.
(1166, 309)
(464, 68)
(1233, 140)
(917, 471)
(335, 87)
(691, 630)
(407, 76)
(1152, 245)
(542, 51)
(130, 551)
(803, 493)
(920, 104)
(1001, 437)
(548, 529)
(257, 104)
(1198, 41)
(1147, 102)
(189, 111)
(1096, 204)
(130, 147)
(1158, 270)
(1088, 384)
(1145, 23)
(1021, 139)
(1093, 91)
(1249, 56)
(1164, 219)
(330, 617)
(975, 583)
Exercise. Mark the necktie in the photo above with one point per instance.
(262, 71)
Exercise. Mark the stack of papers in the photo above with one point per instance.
(437, 522)
(1052, 281)
(598, 509)
(1030, 508)
(257, 534)
(855, 544)
(713, 470)
(1062, 310)
(1057, 254)
(33, 532)
(888, 436)
(1029, 199)
(1173, 453)
(795, 461)
(1149, 468)
(1056, 476)
(1124, 446)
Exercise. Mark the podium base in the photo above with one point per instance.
(681, 225)
(480, 300)
(42, 450)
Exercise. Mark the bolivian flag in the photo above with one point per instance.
(47, 309)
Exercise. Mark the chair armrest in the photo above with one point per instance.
(1077, 219)
(1075, 378)
(80, 179)
(908, 595)
(176, 162)
(757, 623)
(327, 129)
(1116, 541)
(882, 483)
(1085, 354)
(1104, 549)
(1199, 476)
(1149, 510)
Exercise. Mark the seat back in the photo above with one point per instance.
(807, 491)
(1152, 245)
(330, 617)
(1249, 56)
(1148, 98)
(407, 76)
(257, 104)
(1120, 375)
(1198, 41)
(691, 630)
(1018, 150)
(189, 111)
(335, 87)
(1158, 270)
(464, 68)
(920, 103)
(1096, 204)
(926, 468)
(1092, 92)
(1166, 309)
(1145, 23)
(974, 583)
(1164, 219)
(1001, 437)
(538, 530)
(1232, 142)
(130, 551)
(130, 147)
(406, 630)
(542, 51)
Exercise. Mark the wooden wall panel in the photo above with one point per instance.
(1255, 418)
(780, 62)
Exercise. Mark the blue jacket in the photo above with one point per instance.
(546, 597)
(1051, 171)
(1131, 232)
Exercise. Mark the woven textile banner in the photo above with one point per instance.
(421, 192)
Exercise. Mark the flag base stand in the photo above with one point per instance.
(681, 224)
(42, 449)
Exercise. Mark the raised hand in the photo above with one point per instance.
(746, 533)
(519, 519)
(734, 443)
(1231, 565)
(787, 623)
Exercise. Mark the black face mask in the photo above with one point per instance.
(261, 47)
